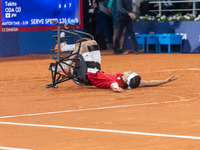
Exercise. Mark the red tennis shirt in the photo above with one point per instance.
(104, 80)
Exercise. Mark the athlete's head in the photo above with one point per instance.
(132, 79)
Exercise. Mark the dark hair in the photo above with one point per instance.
(135, 82)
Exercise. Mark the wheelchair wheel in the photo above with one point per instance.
(76, 80)
(84, 39)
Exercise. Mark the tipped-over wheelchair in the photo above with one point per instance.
(78, 69)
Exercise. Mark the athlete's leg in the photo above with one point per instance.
(72, 47)
(83, 49)
(93, 56)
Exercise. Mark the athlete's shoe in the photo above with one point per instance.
(67, 70)
(139, 51)
(60, 71)
(117, 53)
(123, 51)
(65, 47)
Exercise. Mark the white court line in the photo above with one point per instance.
(103, 130)
(10, 148)
(171, 70)
(90, 109)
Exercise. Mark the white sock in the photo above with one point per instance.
(68, 47)
(65, 46)
(62, 34)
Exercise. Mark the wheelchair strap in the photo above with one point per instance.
(92, 64)
(93, 48)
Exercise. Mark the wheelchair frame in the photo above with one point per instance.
(58, 78)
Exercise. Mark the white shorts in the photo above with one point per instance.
(92, 56)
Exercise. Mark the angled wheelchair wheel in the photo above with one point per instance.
(79, 71)
(76, 80)
(84, 39)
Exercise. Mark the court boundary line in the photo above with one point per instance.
(171, 70)
(99, 108)
(104, 130)
(11, 148)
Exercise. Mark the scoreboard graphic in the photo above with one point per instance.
(31, 15)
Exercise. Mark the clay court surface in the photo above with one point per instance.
(74, 117)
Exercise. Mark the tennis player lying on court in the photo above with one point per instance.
(115, 81)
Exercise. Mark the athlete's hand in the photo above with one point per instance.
(172, 78)
(115, 87)
(118, 90)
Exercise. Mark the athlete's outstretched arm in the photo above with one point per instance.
(156, 82)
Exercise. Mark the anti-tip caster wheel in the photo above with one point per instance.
(50, 86)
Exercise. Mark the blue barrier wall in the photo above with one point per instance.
(190, 30)
(9, 44)
(24, 43)
(36, 42)
(41, 42)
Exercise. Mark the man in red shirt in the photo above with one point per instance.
(118, 82)
(114, 81)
